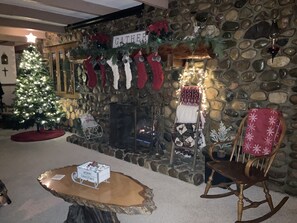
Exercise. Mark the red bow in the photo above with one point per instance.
(101, 38)
(157, 27)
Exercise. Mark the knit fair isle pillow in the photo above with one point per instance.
(189, 95)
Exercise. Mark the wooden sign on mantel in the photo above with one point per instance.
(136, 37)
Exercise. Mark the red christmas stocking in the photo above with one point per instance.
(141, 72)
(102, 62)
(158, 75)
(92, 76)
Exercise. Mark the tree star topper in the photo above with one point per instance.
(31, 38)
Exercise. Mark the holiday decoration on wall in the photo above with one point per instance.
(118, 58)
(92, 76)
(135, 37)
(35, 98)
(158, 76)
(115, 71)
(101, 40)
(127, 60)
(159, 31)
(141, 71)
(102, 63)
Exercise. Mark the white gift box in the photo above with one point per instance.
(93, 172)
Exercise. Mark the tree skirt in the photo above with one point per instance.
(32, 136)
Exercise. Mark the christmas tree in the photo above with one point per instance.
(35, 100)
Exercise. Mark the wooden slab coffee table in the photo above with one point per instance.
(121, 194)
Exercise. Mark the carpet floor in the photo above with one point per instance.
(176, 201)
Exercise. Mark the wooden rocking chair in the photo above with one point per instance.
(254, 148)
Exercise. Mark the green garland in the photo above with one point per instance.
(95, 50)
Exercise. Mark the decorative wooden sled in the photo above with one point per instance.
(90, 129)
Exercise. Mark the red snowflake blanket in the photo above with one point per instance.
(263, 123)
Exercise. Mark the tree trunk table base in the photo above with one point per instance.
(122, 194)
(83, 214)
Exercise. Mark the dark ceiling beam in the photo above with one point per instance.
(14, 32)
(7, 43)
(137, 10)
(13, 10)
(12, 39)
(79, 5)
(156, 3)
(31, 25)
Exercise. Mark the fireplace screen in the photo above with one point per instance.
(130, 126)
(144, 132)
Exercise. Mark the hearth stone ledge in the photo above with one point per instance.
(181, 171)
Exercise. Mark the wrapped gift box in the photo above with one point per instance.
(93, 172)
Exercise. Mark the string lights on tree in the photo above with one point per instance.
(35, 100)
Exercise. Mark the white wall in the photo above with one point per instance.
(8, 81)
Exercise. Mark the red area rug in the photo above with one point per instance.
(32, 136)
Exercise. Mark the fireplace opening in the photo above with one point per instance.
(144, 133)
(131, 127)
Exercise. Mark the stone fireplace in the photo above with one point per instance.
(243, 78)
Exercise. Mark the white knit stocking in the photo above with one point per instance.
(115, 71)
(128, 73)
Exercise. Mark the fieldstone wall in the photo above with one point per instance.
(244, 77)
(72, 112)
